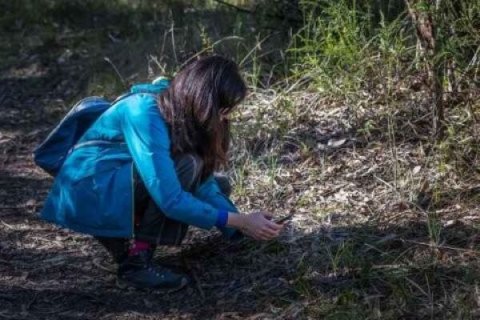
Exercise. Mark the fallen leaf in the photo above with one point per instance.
(416, 170)
(335, 143)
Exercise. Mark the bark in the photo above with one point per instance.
(426, 31)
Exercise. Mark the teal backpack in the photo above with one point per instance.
(53, 151)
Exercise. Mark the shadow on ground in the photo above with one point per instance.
(316, 270)
(55, 274)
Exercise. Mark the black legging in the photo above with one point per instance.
(151, 223)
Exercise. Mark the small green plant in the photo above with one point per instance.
(240, 175)
(434, 227)
(334, 49)
(341, 256)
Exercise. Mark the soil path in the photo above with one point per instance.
(49, 273)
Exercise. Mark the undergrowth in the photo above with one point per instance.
(336, 128)
(349, 128)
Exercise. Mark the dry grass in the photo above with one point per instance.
(384, 228)
(385, 223)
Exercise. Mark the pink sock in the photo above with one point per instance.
(137, 246)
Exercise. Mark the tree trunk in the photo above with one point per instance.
(424, 14)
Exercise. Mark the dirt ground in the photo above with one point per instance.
(50, 273)
(366, 241)
(321, 265)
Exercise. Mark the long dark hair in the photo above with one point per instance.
(193, 104)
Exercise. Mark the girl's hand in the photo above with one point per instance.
(257, 226)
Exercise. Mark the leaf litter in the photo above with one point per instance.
(378, 228)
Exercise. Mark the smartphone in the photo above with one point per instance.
(283, 219)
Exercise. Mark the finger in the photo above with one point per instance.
(267, 237)
(268, 220)
(274, 226)
(267, 215)
(261, 234)
(269, 232)
(252, 235)
(262, 237)
(276, 234)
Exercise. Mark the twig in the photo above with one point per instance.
(400, 195)
(110, 268)
(253, 12)
(5, 316)
(29, 304)
(416, 285)
(257, 46)
(195, 278)
(209, 48)
(107, 59)
(7, 261)
(2, 95)
(234, 6)
(172, 32)
(7, 225)
(431, 245)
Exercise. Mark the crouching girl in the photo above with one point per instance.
(143, 172)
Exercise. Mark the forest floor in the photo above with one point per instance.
(369, 238)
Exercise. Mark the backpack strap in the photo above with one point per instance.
(105, 142)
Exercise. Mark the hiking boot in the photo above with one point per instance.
(139, 271)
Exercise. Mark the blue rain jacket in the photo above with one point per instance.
(93, 192)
